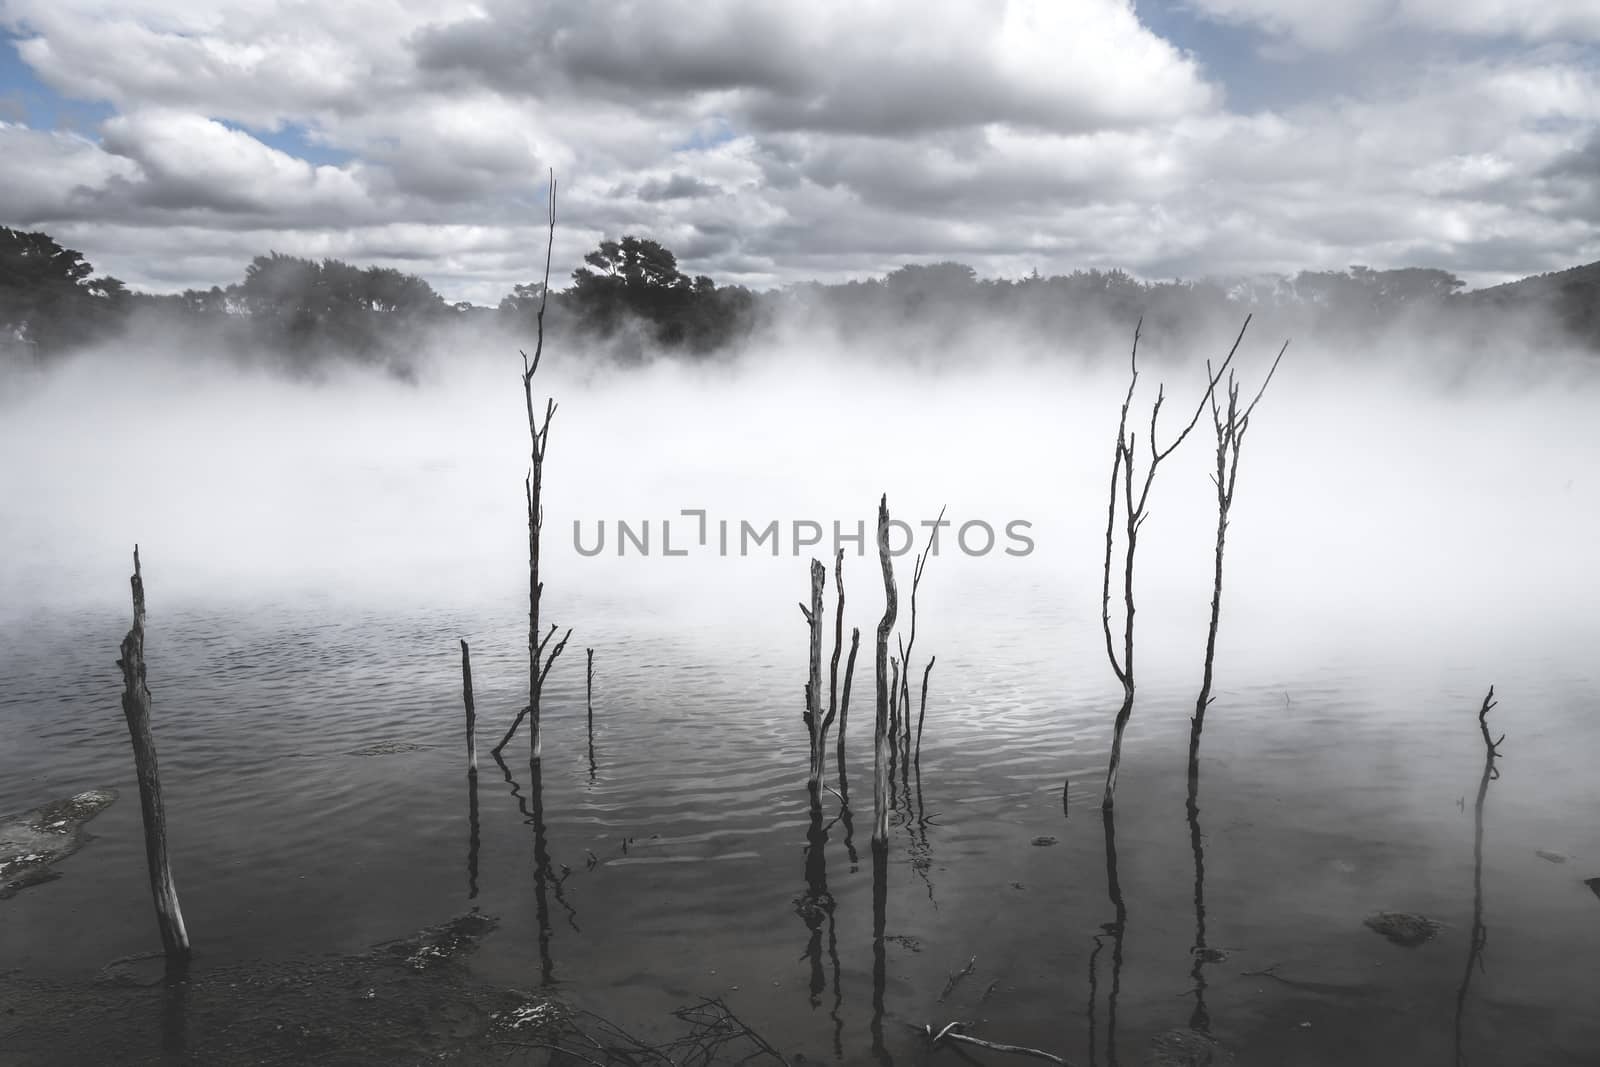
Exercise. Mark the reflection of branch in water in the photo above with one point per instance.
(880, 905)
(1480, 933)
(543, 876)
(472, 834)
(915, 826)
(1200, 1020)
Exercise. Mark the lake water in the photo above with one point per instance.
(313, 555)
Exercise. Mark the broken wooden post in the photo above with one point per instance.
(1230, 428)
(136, 708)
(466, 698)
(1135, 513)
(880, 782)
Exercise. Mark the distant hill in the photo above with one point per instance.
(1569, 298)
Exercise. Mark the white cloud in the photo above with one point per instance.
(1320, 24)
(767, 143)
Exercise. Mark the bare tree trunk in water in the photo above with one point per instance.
(538, 665)
(910, 643)
(1135, 512)
(922, 712)
(813, 713)
(1480, 932)
(880, 783)
(588, 701)
(136, 708)
(466, 699)
(844, 698)
(818, 751)
(1230, 427)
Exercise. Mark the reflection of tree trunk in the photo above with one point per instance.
(175, 1008)
(880, 905)
(1200, 1020)
(541, 871)
(815, 905)
(544, 878)
(1480, 932)
(1119, 928)
(1094, 1000)
(472, 835)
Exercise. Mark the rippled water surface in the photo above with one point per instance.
(677, 857)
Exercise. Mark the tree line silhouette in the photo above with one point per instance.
(631, 298)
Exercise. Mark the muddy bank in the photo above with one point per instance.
(411, 1001)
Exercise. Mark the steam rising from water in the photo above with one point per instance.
(1378, 507)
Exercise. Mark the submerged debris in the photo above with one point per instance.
(33, 840)
(1187, 1048)
(439, 944)
(1594, 884)
(1043, 840)
(1403, 928)
(1546, 854)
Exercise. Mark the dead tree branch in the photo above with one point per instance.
(533, 484)
(1230, 424)
(1135, 511)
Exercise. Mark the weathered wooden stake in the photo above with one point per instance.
(466, 698)
(136, 708)
(880, 782)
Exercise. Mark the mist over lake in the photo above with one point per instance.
(1404, 536)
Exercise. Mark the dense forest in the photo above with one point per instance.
(630, 299)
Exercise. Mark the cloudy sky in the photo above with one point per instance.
(171, 140)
